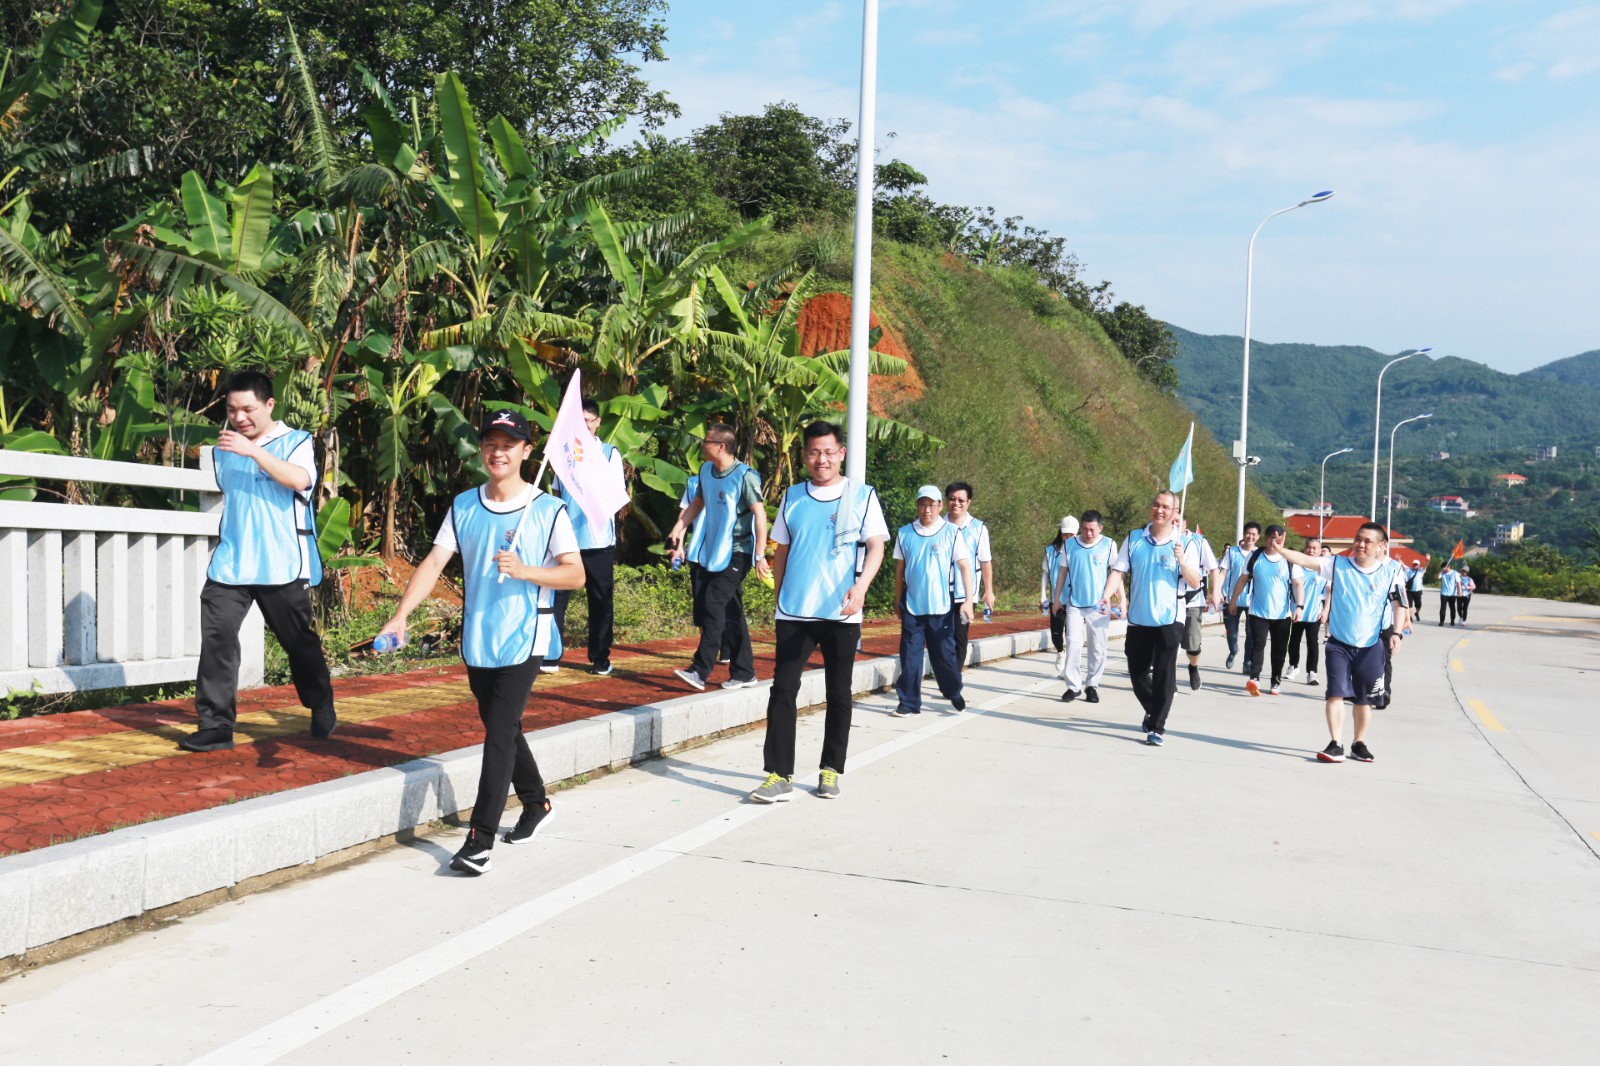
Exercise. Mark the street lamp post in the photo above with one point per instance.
(1388, 508)
(855, 463)
(1241, 446)
(1377, 426)
(1322, 493)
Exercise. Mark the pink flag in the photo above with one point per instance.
(578, 460)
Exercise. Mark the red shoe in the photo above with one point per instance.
(1253, 687)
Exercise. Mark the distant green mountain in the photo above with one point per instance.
(1307, 400)
(1581, 369)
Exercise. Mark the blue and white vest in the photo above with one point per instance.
(928, 558)
(1312, 588)
(1087, 568)
(1052, 567)
(1233, 563)
(1356, 613)
(712, 544)
(820, 566)
(1153, 580)
(1271, 595)
(263, 523)
(504, 623)
(589, 535)
(972, 533)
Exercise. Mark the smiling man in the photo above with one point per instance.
(266, 555)
(830, 535)
(517, 550)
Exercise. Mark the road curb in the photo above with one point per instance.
(52, 897)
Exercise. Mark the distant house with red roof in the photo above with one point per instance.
(1511, 480)
(1455, 505)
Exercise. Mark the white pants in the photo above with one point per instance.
(1082, 620)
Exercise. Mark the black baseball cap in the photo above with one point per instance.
(509, 422)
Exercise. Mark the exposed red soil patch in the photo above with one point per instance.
(825, 327)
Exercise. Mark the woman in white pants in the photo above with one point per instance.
(1080, 582)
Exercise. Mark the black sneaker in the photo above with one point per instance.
(959, 704)
(1359, 752)
(213, 739)
(1069, 695)
(529, 823)
(1229, 664)
(1194, 678)
(473, 858)
(1332, 753)
(323, 723)
(1091, 695)
(601, 671)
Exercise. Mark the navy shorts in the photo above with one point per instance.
(1355, 670)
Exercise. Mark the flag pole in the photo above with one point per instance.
(855, 463)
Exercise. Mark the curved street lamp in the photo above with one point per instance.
(1322, 492)
(1377, 427)
(1388, 509)
(1241, 446)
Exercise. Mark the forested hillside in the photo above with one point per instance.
(1307, 400)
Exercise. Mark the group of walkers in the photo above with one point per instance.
(524, 552)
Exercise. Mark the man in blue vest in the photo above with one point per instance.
(1449, 586)
(1414, 579)
(1157, 568)
(1233, 561)
(1310, 605)
(1274, 589)
(976, 533)
(730, 537)
(1080, 583)
(925, 552)
(266, 555)
(830, 534)
(598, 547)
(1363, 588)
(517, 550)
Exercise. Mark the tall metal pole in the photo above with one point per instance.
(1377, 428)
(855, 467)
(1322, 493)
(1241, 446)
(1388, 503)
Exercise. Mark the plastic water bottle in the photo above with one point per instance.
(1044, 609)
(384, 643)
(1116, 611)
(988, 614)
(1406, 632)
(677, 563)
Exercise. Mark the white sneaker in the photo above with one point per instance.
(550, 668)
(736, 683)
(690, 678)
(1061, 661)
(1293, 674)
(1311, 678)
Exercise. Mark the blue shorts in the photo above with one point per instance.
(1355, 670)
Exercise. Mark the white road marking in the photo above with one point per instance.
(293, 1031)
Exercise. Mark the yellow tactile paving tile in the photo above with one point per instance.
(86, 755)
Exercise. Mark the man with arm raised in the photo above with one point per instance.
(1361, 586)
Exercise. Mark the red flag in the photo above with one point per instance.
(1460, 551)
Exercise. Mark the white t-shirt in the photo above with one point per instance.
(563, 540)
(872, 525)
(1198, 554)
(305, 457)
(983, 539)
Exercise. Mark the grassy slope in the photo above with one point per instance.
(1039, 411)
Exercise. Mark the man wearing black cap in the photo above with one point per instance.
(517, 549)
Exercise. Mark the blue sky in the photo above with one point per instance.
(1462, 139)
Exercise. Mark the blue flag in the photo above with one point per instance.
(1182, 471)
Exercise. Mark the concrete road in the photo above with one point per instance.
(1025, 884)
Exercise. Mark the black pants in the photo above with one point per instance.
(502, 695)
(599, 583)
(1153, 668)
(796, 641)
(1309, 632)
(287, 611)
(961, 627)
(1447, 603)
(1261, 629)
(722, 611)
(697, 583)
(1415, 596)
(1232, 622)
(1461, 606)
(1058, 629)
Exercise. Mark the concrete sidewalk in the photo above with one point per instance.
(1029, 883)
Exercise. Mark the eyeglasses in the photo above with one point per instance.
(818, 453)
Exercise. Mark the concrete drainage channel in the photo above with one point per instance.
(64, 899)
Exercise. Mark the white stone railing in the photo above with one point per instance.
(102, 597)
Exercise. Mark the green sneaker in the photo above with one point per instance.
(775, 789)
(828, 785)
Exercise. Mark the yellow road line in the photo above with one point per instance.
(1456, 666)
(1463, 643)
(51, 761)
(1486, 716)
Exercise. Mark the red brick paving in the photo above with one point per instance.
(37, 815)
